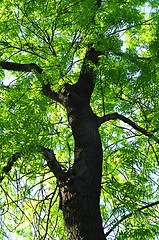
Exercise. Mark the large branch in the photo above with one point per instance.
(115, 116)
(53, 164)
(87, 74)
(20, 67)
(56, 96)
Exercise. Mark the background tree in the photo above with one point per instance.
(69, 69)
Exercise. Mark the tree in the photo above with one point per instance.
(79, 119)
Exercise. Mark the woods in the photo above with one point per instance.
(79, 120)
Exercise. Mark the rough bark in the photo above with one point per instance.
(80, 194)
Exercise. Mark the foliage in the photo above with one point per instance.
(54, 34)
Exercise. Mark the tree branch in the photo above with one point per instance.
(85, 84)
(114, 116)
(129, 215)
(10, 164)
(20, 67)
(87, 74)
(53, 164)
(98, 3)
(58, 97)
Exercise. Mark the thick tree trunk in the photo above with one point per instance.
(80, 192)
(81, 214)
(80, 186)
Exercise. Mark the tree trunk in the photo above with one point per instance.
(80, 186)
(80, 192)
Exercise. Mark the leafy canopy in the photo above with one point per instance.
(54, 34)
